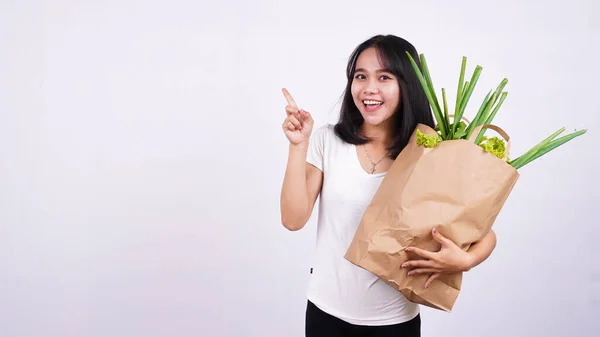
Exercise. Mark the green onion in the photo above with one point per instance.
(494, 100)
(430, 86)
(434, 105)
(464, 94)
(529, 154)
(493, 114)
(459, 91)
(471, 126)
(491, 117)
(549, 147)
(446, 116)
(468, 90)
(458, 129)
(485, 117)
(456, 112)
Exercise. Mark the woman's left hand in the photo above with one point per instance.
(449, 259)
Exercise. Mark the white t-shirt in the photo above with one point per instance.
(337, 286)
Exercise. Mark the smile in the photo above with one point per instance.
(371, 102)
(372, 105)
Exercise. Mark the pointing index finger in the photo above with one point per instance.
(289, 98)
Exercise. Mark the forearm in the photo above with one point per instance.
(294, 192)
(481, 250)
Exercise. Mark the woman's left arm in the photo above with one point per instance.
(481, 250)
(450, 258)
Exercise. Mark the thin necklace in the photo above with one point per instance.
(371, 160)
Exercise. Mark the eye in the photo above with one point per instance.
(360, 76)
(385, 77)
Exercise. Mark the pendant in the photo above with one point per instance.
(373, 169)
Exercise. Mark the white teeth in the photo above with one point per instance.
(372, 102)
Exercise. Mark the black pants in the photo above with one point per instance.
(321, 324)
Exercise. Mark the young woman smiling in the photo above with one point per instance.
(344, 165)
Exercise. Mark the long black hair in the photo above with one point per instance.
(414, 107)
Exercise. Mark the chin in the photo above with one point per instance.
(374, 120)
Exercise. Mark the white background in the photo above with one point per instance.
(141, 160)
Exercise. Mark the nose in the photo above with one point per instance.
(371, 87)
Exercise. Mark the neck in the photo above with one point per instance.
(379, 134)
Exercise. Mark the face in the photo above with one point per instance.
(374, 89)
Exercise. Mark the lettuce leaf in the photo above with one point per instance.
(493, 145)
(427, 140)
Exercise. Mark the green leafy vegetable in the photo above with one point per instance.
(428, 140)
(494, 145)
(458, 129)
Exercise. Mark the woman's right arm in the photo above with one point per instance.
(301, 186)
(302, 181)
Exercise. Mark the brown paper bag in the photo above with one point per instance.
(456, 187)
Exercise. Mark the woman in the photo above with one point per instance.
(344, 165)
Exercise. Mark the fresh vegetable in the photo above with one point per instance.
(544, 147)
(427, 140)
(494, 145)
(458, 129)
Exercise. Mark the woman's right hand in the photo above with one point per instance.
(298, 124)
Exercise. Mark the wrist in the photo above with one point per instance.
(299, 147)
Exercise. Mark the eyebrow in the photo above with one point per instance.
(382, 70)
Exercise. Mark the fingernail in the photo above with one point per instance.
(407, 249)
(434, 231)
(404, 265)
(409, 273)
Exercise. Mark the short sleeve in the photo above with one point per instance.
(316, 147)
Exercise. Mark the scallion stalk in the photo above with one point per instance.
(464, 93)
(434, 104)
(469, 90)
(549, 147)
(497, 94)
(459, 92)
(473, 123)
(485, 116)
(529, 154)
(491, 116)
(446, 116)
(457, 115)
(427, 76)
